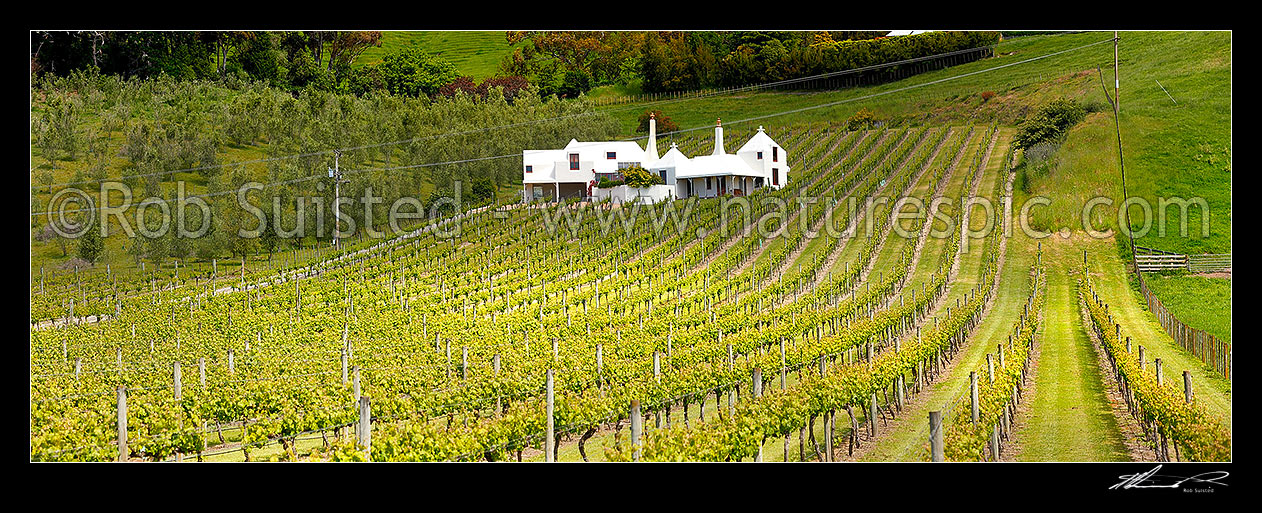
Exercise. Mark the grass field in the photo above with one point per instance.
(476, 54)
(1200, 302)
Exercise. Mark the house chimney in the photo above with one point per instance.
(718, 137)
(650, 149)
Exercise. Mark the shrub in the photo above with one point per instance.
(574, 83)
(664, 123)
(637, 176)
(862, 119)
(1050, 122)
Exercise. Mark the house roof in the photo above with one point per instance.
(906, 32)
(759, 141)
(673, 158)
(717, 165)
(621, 146)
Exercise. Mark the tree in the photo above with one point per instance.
(483, 190)
(664, 123)
(225, 43)
(412, 72)
(575, 83)
(345, 46)
(463, 84)
(91, 245)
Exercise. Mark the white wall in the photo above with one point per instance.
(627, 194)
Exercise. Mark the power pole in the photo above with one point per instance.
(336, 175)
(1121, 163)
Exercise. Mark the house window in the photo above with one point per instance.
(760, 155)
(530, 169)
(663, 172)
(775, 176)
(611, 155)
(573, 162)
(707, 182)
(775, 154)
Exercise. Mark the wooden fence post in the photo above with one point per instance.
(972, 378)
(757, 394)
(365, 425)
(935, 436)
(635, 430)
(178, 384)
(356, 383)
(548, 453)
(122, 424)
(1187, 386)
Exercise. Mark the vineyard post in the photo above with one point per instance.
(231, 367)
(990, 368)
(122, 424)
(464, 362)
(731, 365)
(635, 429)
(1187, 387)
(356, 382)
(994, 442)
(343, 366)
(935, 436)
(757, 394)
(872, 415)
(1157, 365)
(78, 365)
(178, 385)
(548, 453)
(600, 362)
(201, 372)
(365, 425)
(1141, 358)
(972, 378)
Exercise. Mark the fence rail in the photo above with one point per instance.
(1209, 263)
(1149, 259)
(1161, 262)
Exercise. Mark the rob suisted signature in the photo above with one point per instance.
(1152, 479)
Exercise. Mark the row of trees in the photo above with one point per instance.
(567, 63)
(292, 61)
(393, 143)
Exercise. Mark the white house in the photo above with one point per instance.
(575, 170)
(761, 162)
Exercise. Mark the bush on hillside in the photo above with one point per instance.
(862, 120)
(1050, 122)
(664, 123)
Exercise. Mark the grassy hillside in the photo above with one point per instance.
(1172, 149)
(477, 54)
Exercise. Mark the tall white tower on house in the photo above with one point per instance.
(718, 137)
(650, 149)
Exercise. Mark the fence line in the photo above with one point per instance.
(1204, 346)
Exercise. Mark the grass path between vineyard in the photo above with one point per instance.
(1070, 418)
